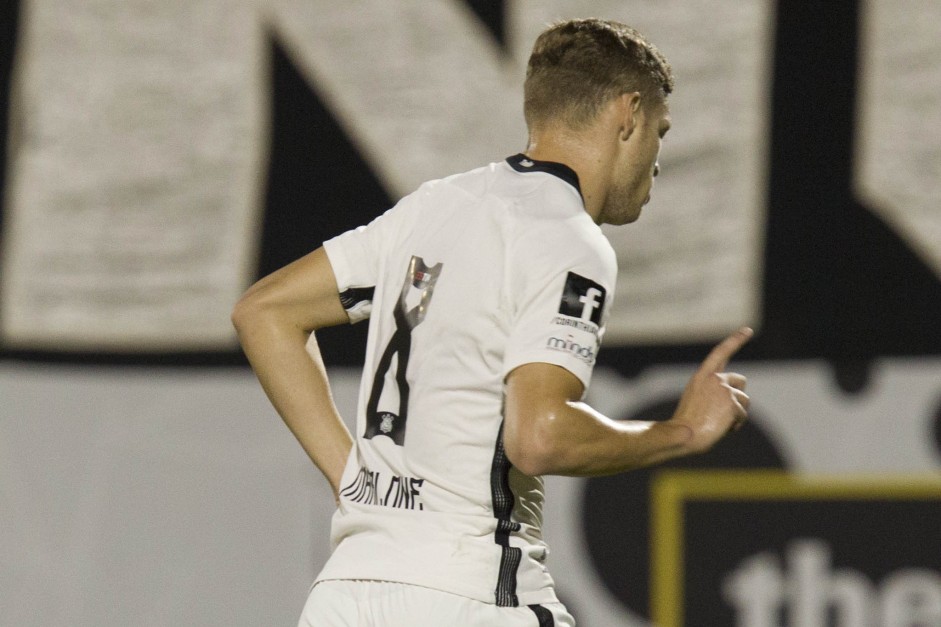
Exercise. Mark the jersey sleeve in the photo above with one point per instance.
(356, 258)
(561, 296)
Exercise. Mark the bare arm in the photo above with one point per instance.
(548, 431)
(274, 319)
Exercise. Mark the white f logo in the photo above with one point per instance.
(590, 300)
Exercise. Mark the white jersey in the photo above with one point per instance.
(463, 280)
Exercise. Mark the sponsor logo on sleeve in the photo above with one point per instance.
(587, 327)
(582, 299)
(569, 345)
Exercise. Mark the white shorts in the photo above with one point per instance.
(348, 603)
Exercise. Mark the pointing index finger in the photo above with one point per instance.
(719, 357)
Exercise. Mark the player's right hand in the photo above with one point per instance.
(714, 402)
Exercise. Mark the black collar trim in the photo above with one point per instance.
(522, 163)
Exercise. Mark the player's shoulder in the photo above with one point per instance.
(478, 183)
(540, 202)
(573, 241)
(569, 240)
(508, 182)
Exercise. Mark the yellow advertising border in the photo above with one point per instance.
(671, 489)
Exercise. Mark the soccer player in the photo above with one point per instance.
(487, 294)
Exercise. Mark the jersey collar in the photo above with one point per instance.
(522, 163)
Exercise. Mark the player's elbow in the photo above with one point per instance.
(243, 313)
(251, 308)
(530, 461)
(535, 448)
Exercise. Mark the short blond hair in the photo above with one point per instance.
(578, 65)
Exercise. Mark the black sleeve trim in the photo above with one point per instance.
(356, 295)
(543, 615)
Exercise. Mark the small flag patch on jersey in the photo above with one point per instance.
(420, 279)
(582, 298)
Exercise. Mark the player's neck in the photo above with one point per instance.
(584, 154)
(591, 152)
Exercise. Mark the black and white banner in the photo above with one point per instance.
(140, 165)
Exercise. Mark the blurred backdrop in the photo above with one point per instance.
(157, 158)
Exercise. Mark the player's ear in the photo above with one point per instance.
(628, 106)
